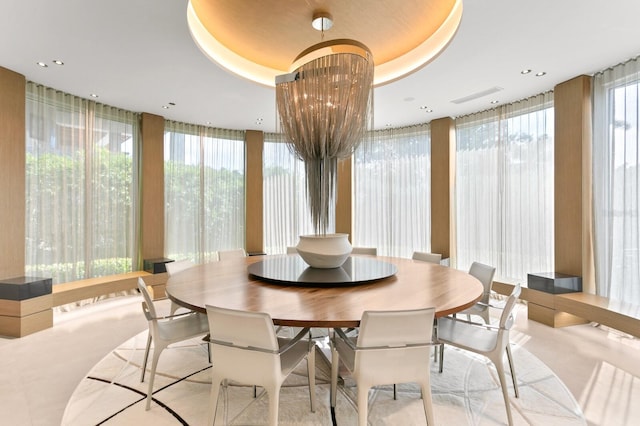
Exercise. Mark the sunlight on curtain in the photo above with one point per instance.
(81, 187)
(504, 188)
(616, 182)
(204, 191)
(392, 191)
(286, 211)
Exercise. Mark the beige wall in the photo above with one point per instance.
(12, 173)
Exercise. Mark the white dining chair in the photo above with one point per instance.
(427, 257)
(490, 341)
(246, 349)
(231, 254)
(484, 273)
(163, 331)
(372, 251)
(178, 266)
(391, 347)
(172, 269)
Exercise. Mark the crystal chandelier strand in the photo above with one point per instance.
(324, 108)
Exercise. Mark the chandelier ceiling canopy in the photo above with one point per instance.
(260, 41)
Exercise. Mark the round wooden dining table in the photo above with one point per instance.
(415, 285)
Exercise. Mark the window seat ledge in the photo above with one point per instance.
(616, 314)
(89, 288)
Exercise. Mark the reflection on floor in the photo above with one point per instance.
(40, 372)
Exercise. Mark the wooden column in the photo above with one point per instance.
(12, 173)
(344, 198)
(254, 238)
(25, 303)
(442, 158)
(572, 100)
(152, 197)
(572, 197)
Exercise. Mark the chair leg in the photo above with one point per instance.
(311, 372)
(213, 398)
(174, 307)
(503, 385)
(427, 402)
(146, 357)
(154, 363)
(435, 339)
(335, 359)
(207, 339)
(363, 402)
(441, 356)
(513, 371)
(274, 399)
(395, 392)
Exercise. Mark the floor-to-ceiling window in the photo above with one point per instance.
(286, 211)
(392, 191)
(616, 181)
(504, 188)
(204, 191)
(81, 187)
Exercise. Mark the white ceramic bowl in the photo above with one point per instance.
(324, 251)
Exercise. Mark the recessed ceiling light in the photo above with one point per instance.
(58, 62)
(495, 101)
(424, 107)
(93, 95)
(525, 71)
(165, 107)
(428, 110)
(207, 123)
(540, 74)
(42, 64)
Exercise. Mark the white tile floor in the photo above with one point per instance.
(40, 372)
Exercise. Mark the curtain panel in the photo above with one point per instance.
(504, 188)
(81, 186)
(392, 191)
(616, 181)
(204, 191)
(286, 210)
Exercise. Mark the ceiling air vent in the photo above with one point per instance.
(477, 95)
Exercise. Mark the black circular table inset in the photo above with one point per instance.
(292, 270)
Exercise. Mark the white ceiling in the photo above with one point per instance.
(139, 55)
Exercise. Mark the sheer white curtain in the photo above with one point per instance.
(392, 191)
(504, 188)
(616, 182)
(81, 187)
(204, 191)
(286, 211)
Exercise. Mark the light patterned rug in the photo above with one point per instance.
(466, 393)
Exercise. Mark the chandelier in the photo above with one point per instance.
(324, 102)
(324, 106)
